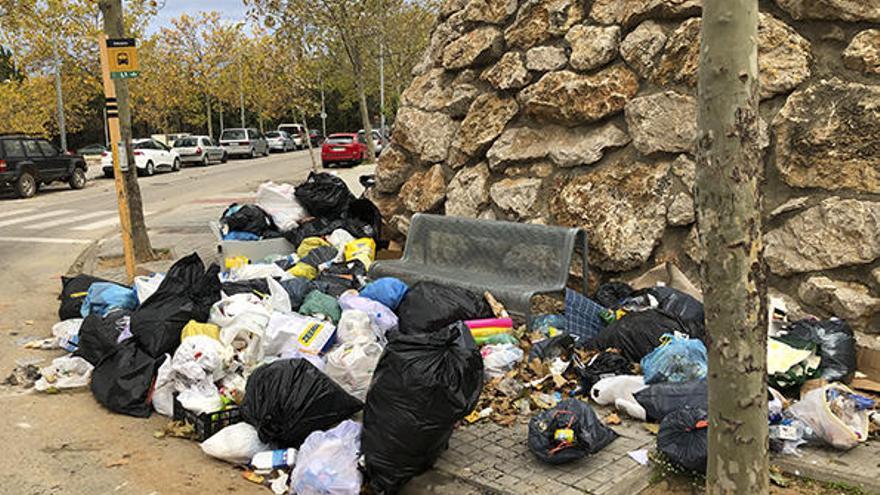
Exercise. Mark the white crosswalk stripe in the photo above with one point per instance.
(30, 218)
(72, 221)
(44, 240)
(101, 224)
(16, 212)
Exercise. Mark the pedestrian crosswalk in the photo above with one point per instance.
(56, 226)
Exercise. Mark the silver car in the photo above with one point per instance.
(244, 142)
(199, 150)
(280, 141)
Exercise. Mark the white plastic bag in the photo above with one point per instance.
(163, 391)
(498, 359)
(339, 238)
(327, 462)
(843, 431)
(66, 334)
(242, 319)
(286, 332)
(279, 299)
(382, 318)
(257, 270)
(620, 391)
(351, 365)
(200, 358)
(354, 325)
(279, 202)
(146, 286)
(200, 398)
(64, 372)
(236, 444)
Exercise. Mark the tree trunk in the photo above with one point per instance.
(308, 139)
(210, 124)
(362, 101)
(728, 203)
(143, 250)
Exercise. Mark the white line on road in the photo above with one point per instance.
(45, 240)
(16, 212)
(100, 224)
(38, 216)
(70, 220)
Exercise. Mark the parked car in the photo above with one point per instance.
(150, 156)
(343, 148)
(244, 142)
(280, 141)
(91, 149)
(169, 139)
(296, 132)
(27, 162)
(316, 137)
(200, 150)
(378, 140)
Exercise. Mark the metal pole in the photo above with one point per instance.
(59, 95)
(221, 119)
(106, 129)
(382, 89)
(241, 91)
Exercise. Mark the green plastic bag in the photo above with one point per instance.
(318, 303)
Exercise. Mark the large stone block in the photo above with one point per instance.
(475, 48)
(508, 73)
(592, 46)
(392, 170)
(487, 117)
(546, 58)
(828, 136)
(622, 206)
(783, 56)
(844, 10)
(850, 301)
(570, 98)
(564, 146)
(629, 12)
(835, 233)
(863, 52)
(519, 196)
(640, 47)
(468, 191)
(539, 20)
(489, 11)
(663, 122)
(424, 191)
(428, 135)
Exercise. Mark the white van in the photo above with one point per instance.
(297, 133)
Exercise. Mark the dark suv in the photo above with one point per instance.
(27, 162)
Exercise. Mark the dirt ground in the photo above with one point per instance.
(678, 485)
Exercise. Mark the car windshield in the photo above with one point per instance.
(339, 140)
(141, 145)
(273, 134)
(233, 134)
(186, 143)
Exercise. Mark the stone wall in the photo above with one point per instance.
(583, 113)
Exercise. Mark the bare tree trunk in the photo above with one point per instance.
(728, 201)
(208, 108)
(362, 101)
(308, 139)
(143, 250)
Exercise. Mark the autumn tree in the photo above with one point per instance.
(728, 201)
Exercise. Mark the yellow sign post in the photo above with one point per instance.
(122, 57)
(115, 143)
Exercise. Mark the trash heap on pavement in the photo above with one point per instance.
(319, 380)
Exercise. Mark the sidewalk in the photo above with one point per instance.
(486, 457)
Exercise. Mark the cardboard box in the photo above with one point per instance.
(868, 363)
(255, 251)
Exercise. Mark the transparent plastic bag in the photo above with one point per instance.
(327, 462)
(351, 365)
(680, 359)
(834, 416)
(498, 359)
(236, 444)
(64, 372)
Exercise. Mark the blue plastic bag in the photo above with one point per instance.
(105, 296)
(678, 359)
(388, 291)
(582, 316)
(238, 235)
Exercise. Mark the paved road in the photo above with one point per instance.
(64, 443)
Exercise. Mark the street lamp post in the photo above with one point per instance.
(59, 95)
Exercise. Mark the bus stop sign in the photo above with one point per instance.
(123, 58)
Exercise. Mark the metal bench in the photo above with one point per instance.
(514, 261)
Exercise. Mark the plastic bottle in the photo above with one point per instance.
(274, 459)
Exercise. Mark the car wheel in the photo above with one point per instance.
(77, 179)
(26, 185)
(108, 174)
(253, 152)
(225, 158)
(266, 153)
(150, 169)
(175, 167)
(205, 161)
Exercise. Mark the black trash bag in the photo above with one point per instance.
(73, 292)
(553, 347)
(324, 195)
(340, 277)
(319, 227)
(834, 341)
(610, 294)
(637, 333)
(589, 434)
(429, 306)
(367, 218)
(320, 255)
(288, 399)
(247, 218)
(297, 288)
(684, 438)
(257, 286)
(677, 304)
(602, 365)
(661, 399)
(423, 385)
(98, 337)
(121, 382)
(187, 293)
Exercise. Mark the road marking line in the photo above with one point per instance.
(100, 224)
(38, 216)
(45, 240)
(17, 212)
(63, 221)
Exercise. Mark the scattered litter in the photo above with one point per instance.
(640, 456)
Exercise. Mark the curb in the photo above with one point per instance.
(827, 473)
(86, 261)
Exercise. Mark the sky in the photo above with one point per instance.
(233, 10)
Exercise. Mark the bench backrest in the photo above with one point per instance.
(489, 250)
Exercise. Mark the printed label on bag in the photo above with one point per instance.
(312, 330)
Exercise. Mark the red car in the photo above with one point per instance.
(343, 148)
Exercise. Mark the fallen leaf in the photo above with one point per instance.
(253, 477)
(654, 428)
(119, 462)
(779, 479)
(612, 419)
(29, 322)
